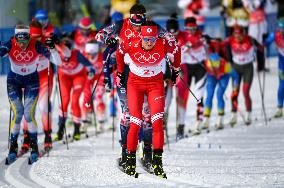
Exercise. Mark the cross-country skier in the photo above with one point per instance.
(257, 21)
(241, 52)
(45, 72)
(193, 56)
(145, 56)
(234, 13)
(71, 76)
(94, 55)
(278, 36)
(127, 29)
(24, 53)
(217, 74)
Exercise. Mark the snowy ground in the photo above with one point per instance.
(234, 157)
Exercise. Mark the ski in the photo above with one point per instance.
(12, 158)
(120, 167)
(147, 167)
(33, 158)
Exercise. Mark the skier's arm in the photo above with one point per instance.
(5, 48)
(270, 38)
(84, 61)
(106, 33)
(55, 58)
(227, 50)
(120, 57)
(260, 57)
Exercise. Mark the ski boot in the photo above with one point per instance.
(13, 151)
(248, 118)
(34, 148)
(26, 143)
(279, 113)
(157, 164)
(219, 125)
(233, 120)
(180, 132)
(122, 160)
(147, 159)
(130, 166)
(85, 125)
(47, 140)
(61, 125)
(205, 124)
(196, 130)
(77, 134)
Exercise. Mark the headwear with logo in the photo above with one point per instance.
(149, 31)
(85, 23)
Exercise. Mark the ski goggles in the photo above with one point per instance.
(190, 28)
(152, 39)
(22, 38)
(137, 19)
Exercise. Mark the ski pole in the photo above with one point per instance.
(185, 84)
(262, 98)
(60, 96)
(9, 132)
(113, 106)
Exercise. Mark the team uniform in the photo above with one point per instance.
(125, 31)
(71, 77)
(45, 72)
(278, 37)
(193, 55)
(241, 54)
(23, 75)
(96, 59)
(145, 78)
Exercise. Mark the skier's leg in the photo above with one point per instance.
(210, 88)
(135, 95)
(65, 91)
(15, 95)
(200, 82)
(78, 86)
(222, 85)
(236, 78)
(248, 77)
(181, 99)
(30, 101)
(280, 93)
(156, 102)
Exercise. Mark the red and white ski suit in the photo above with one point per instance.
(81, 40)
(97, 63)
(145, 78)
(72, 76)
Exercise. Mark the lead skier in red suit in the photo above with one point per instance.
(145, 56)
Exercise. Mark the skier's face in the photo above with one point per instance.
(239, 36)
(148, 42)
(191, 30)
(85, 32)
(136, 27)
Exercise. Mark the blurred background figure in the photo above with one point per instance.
(196, 9)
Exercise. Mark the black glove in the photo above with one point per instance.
(111, 41)
(54, 38)
(174, 76)
(91, 73)
(120, 82)
(49, 43)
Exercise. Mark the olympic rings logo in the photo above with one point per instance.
(146, 58)
(23, 55)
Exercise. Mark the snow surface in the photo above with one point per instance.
(234, 157)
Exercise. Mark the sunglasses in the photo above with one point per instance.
(152, 39)
(23, 41)
(191, 28)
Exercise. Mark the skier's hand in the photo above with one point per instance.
(111, 41)
(49, 43)
(120, 82)
(174, 76)
(54, 38)
(91, 73)
(107, 83)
